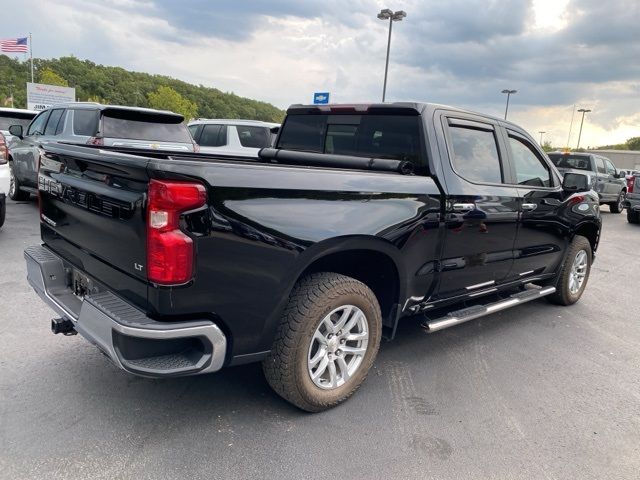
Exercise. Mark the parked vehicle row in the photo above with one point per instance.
(306, 257)
(610, 184)
(233, 137)
(8, 117)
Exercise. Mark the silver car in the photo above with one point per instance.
(233, 137)
(94, 124)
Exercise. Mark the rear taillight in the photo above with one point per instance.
(4, 154)
(96, 141)
(169, 250)
(630, 182)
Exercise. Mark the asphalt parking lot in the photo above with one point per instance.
(534, 392)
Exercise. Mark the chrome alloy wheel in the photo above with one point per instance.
(621, 200)
(578, 272)
(338, 347)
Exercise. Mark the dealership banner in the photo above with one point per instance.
(41, 96)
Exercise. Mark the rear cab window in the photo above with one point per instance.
(134, 125)
(576, 162)
(389, 136)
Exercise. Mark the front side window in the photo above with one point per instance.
(475, 154)
(600, 165)
(254, 137)
(38, 124)
(85, 122)
(611, 170)
(54, 119)
(530, 169)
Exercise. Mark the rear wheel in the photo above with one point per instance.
(617, 206)
(574, 273)
(3, 212)
(632, 216)
(327, 341)
(14, 186)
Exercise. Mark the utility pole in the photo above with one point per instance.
(387, 14)
(509, 93)
(583, 110)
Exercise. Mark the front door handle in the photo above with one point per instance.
(529, 207)
(463, 207)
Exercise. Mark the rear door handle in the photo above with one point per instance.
(528, 207)
(463, 207)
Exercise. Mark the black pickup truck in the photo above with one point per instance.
(181, 264)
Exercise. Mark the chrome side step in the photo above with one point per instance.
(471, 313)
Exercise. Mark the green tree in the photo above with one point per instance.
(166, 98)
(49, 77)
(633, 143)
(547, 147)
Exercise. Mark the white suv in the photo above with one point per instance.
(233, 137)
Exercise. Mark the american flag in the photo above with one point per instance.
(14, 45)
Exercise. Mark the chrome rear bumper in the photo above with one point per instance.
(132, 340)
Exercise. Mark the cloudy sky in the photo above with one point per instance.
(556, 53)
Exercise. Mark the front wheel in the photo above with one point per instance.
(327, 341)
(633, 216)
(618, 206)
(574, 273)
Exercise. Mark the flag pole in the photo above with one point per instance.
(31, 54)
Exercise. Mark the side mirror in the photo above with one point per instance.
(16, 130)
(575, 182)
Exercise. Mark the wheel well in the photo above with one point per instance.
(375, 269)
(590, 232)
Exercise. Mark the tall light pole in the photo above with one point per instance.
(509, 93)
(541, 132)
(387, 14)
(583, 110)
(11, 93)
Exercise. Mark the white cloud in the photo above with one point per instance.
(457, 52)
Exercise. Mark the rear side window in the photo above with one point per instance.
(475, 154)
(38, 124)
(377, 136)
(254, 137)
(8, 120)
(213, 136)
(54, 119)
(134, 129)
(530, 168)
(85, 122)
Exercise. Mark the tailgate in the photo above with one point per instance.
(92, 209)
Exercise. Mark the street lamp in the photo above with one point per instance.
(387, 14)
(583, 110)
(509, 93)
(541, 132)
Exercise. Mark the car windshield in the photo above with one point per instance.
(379, 136)
(578, 162)
(149, 128)
(6, 122)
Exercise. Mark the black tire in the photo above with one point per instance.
(617, 206)
(563, 294)
(14, 187)
(3, 212)
(633, 217)
(312, 299)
